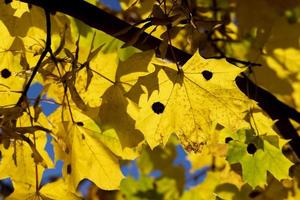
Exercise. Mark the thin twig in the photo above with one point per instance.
(43, 55)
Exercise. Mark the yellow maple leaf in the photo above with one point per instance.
(85, 156)
(22, 168)
(20, 160)
(11, 82)
(188, 102)
(222, 183)
(107, 91)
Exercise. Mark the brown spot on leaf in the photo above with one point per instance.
(5, 73)
(207, 75)
(158, 107)
(251, 148)
(228, 139)
(80, 123)
(69, 169)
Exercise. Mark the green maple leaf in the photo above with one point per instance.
(257, 155)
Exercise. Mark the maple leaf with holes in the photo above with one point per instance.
(188, 102)
(257, 156)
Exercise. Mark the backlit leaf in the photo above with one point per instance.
(257, 156)
(188, 102)
(80, 146)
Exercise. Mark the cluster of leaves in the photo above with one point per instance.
(116, 103)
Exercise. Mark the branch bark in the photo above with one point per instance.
(97, 18)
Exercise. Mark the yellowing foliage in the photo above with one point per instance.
(117, 103)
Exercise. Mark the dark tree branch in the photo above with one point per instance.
(275, 109)
(96, 18)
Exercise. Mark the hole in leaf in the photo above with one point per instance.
(158, 107)
(82, 137)
(79, 123)
(228, 139)
(251, 148)
(5, 73)
(69, 169)
(207, 75)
